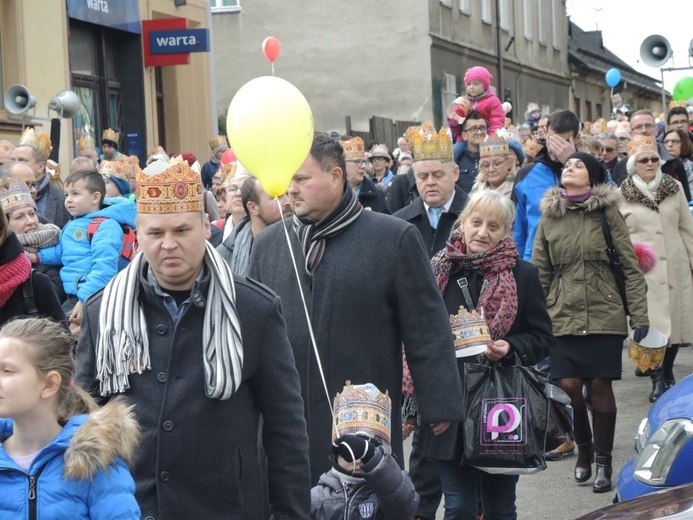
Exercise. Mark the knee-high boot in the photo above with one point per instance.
(583, 439)
(668, 366)
(604, 429)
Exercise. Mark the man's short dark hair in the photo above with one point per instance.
(677, 111)
(250, 193)
(473, 115)
(562, 121)
(328, 153)
(93, 181)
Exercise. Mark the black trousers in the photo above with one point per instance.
(424, 474)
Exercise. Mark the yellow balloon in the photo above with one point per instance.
(270, 129)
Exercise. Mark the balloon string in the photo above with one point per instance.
(273, 75)
(310, 325)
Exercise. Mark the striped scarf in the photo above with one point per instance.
(313, 235)
(47, 235)
(122, 347)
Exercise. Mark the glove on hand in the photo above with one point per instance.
(352, 447)
(640, 332)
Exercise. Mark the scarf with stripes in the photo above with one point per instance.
(313, 235)
(122, 347)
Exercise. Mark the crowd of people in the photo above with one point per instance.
(206, 353)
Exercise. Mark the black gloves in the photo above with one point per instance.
(352, 447)
(640, 332)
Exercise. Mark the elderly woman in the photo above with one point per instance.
(22, 218)
(480, 270)
(680, 146)
(496, 167)
(589, 320)
(657, 215)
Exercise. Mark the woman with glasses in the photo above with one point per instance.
(496, 168)
(656, 212)
(678, 144)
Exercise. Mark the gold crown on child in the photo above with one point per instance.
(469, 329)
(362, 409)
(429, 145)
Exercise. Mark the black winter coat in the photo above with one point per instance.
(402, 191)
(372, 197)
(198, 457)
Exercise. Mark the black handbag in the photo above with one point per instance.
(616, 265)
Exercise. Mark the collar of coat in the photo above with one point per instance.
(667, 187)
(554, 205)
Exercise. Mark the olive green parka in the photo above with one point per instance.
(570, 251)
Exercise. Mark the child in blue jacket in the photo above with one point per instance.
(55, 463)
(88, 265)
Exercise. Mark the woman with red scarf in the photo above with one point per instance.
(480, 270)
(16, 297)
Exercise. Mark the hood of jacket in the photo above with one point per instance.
(544, 158)
(121, 209)
(554, 205)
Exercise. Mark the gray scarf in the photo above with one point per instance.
(122, 347)
(47, 235)
(240, 258)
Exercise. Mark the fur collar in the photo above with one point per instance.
(667, 187)
(107, 433)
(553, 205)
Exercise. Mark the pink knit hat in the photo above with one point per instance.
(479, 74)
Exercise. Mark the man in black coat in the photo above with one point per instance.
(207, 357)
(368, 289)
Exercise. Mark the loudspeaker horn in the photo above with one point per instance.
(655, 50)
(18, 99)
(65, 103)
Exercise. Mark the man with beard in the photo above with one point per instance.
(369, 289)
(109, 145)
(355, 156)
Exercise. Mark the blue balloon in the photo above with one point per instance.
(613, 77)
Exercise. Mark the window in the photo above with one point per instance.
(446, 3)
(225, 6)
(588, 110)
(486, 11)
(542, 22)
(505, 14)
(450, 92)
(576, 107)
(465, 6)
(557, 24)
(598, 108)
(528, 19)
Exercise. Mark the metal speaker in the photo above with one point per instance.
(18, 99)
(66, 103)
(655, 50)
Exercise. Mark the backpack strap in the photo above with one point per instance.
(28, 295)
(93, 226)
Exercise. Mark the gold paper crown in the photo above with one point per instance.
(177, 189)
(642, 143)
(110, 135)
(532, 148)
(353, 148)
(380, 150)
(38, 140)
(428, 145)
(362, 409)
(469, 329)
(493, 146)
(227, 172)
(14, 196)
(218, 141)
(85, 143)
(123, 167)
(6, 149)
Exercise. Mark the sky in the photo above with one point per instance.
(626, 23)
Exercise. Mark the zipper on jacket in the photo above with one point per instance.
(32, 493)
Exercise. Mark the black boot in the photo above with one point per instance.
(668, 366)
(583, 439)
(604, 429)
(657, 385)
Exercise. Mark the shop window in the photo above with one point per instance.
(225, 6)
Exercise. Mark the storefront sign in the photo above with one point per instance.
(177, 41)
(161, 60)
(123, 15)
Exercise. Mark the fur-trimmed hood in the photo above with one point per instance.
(106, 434)
(554, 205)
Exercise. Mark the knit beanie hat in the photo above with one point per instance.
(479, 74)
(595, 169)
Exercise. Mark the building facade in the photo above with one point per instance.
(95, 48)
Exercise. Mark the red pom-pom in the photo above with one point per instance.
(647, 258)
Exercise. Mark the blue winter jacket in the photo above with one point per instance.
(468, 165)
(89, 266)
(105, 492)
(529, 190)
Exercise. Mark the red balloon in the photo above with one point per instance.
(271, 48)
(228, 157)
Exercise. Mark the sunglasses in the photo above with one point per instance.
(672, 141)
(608, 149)
(646, 160)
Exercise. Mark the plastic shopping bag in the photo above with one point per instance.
(506, 418)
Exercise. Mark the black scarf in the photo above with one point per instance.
(313, 235)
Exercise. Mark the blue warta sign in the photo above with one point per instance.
(178, 41)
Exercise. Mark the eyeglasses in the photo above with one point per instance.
(640, 128)
(358, 161)
(608, 149)
(646, 160)
(487, 166)
(232, 189)
(476, 130)
(682, 122)
(624, 139)
(378, 159)
(672, 141)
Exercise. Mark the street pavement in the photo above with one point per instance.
(553, 493)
